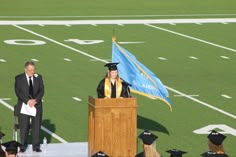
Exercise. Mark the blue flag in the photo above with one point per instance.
(143, 81)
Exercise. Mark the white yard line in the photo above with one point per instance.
(5, 98)
(162, 58)
(192, 57)
(226, 96)
(172, 24)
(225, 57)
(76, 99)
(35, 60)
(67, 59)
(158, 15)
(131, 42)
(95, 60)
(3, 60)
(177, 95)
(42, 127)
(104, 61)
(190, 37)
(117, 22)
(61, 44)
(202, 103)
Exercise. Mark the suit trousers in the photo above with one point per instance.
(24, 125)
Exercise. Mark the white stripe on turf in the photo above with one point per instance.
(224, 57)
(190, 37)
(162, 58)
(202, 103)
(226, 96)
(42, 127)
(3, 60)
(67, 59)
(130, 42)
(104, 61)
(177, 95)
(35, 60)
(5, 98)
(76, 99)
(157, 15)
(117, 22)
(61, 44)
(192, 57)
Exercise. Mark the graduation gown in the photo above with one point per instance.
(100, 90)
(2, 153)
(140, 154)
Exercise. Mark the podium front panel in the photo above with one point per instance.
(113, 126)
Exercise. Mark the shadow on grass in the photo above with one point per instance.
(151, 125)
(47, 124)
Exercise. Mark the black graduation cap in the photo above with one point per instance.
(111, 66)
(1, 135)
(213, 154)
(11, 146)
(216, 137)
(147, 137)
(100, 154)
(175, 152)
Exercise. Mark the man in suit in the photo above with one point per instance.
(29, 89)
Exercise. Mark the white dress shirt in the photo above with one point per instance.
(32, 78)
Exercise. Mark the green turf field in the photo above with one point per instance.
(200, 63)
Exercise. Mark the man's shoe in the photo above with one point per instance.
(37, 150)
(22, 149)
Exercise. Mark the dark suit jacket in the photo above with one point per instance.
(22, 91)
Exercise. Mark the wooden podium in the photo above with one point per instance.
(112, 126)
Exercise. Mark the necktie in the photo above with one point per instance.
(31, 95)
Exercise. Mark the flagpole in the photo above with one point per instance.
(114, 35)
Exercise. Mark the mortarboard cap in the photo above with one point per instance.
(147, 137)
(100, 154)
(11, 146)
(1, 135)
(175, 153)
(216, 137)
(213, 154)
(111, 66)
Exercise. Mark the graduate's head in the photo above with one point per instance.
(11, 148)
(148, 140)
(112, 70)
(100, 154)
(215, 141)
(176, 153)
(11, 154)
(30, 68)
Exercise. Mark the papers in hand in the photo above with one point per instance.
(26, 109)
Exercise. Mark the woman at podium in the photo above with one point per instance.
(112, 86)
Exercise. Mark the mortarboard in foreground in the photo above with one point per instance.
(100, 154)
(216, 137)
(175, 153)
(11, 146)
(147, 137)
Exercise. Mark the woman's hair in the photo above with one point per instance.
(8, 153)
(150, 151)
(215, 148)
